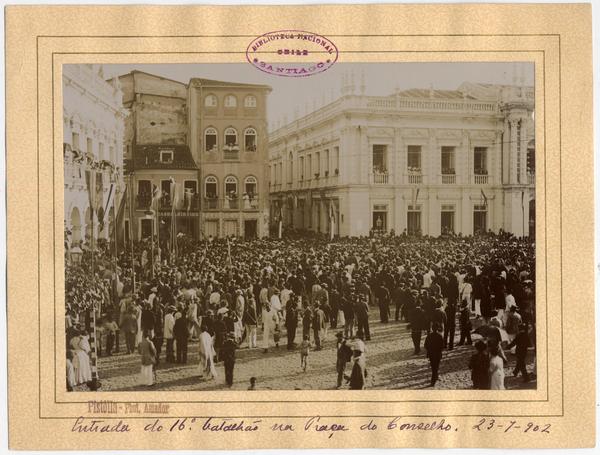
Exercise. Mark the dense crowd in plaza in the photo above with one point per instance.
(231, 294)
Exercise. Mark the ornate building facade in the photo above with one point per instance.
(93, 129)
(417, 161)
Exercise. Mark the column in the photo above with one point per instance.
(466, 215)
(513, 151)
(400, 157)
(365, 156)
(432, 160)
(462, 159)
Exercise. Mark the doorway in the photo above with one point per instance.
(250, 229)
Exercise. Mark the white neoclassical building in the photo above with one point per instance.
(422, 160)
(93, 123)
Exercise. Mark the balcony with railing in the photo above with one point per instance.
(249, 203)
(379, 178)
(210, 203)
(231, 152)
(481, 179)
(414, 175)
(448, 179)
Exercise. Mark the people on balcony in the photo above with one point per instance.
(413, 170)
(448, 171)
(231, 201)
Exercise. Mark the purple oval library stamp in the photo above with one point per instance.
(292, 53)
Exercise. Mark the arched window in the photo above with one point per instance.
(250, 140)
(210, 101)
(250, 185)
(231, 186)
(210, 140)
(250, 101)
(210, 187)
(230, 101)
(231, 137)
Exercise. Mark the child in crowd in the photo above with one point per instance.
(304, 350)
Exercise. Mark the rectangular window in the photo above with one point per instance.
(414, 158)
(101, 151)
(447, 219)
(90, 148)
(144, 195)
(336, 160)
(480, 161)
(448, 160)
(308, 167)
(479, 219)
(379, 158)
(301, 169)
(413, 220)
(145, 228)
(210, 141)
(165, 187)
(317, 164)
(166, 156)
(326, 162)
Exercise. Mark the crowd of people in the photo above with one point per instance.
(228, 294)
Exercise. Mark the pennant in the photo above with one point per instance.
(121, 214)
(156, 194)
(109, 202)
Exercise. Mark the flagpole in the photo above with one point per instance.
(130, 194)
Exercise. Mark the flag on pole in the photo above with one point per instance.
(121, 213)
(173, 200)
(109, 202)
(280, 222)
(156, 194)
(189, 193)
(415, 197)
(331, 219)
(485, 199)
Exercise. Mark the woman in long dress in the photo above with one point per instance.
(81, 358)
(207, 355)
(496, 369)
(148, 357)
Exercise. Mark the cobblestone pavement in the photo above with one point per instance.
(390, 364)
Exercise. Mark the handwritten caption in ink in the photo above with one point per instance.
(317, 425)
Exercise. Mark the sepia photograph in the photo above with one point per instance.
(369, 227)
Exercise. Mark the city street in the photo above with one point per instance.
(390, 365)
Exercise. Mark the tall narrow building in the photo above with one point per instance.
(228, 139)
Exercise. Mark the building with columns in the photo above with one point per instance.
(93, 128)
(421, 160)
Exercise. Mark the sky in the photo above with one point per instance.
(304, 94)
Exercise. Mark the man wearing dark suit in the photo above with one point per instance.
(434, 344)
